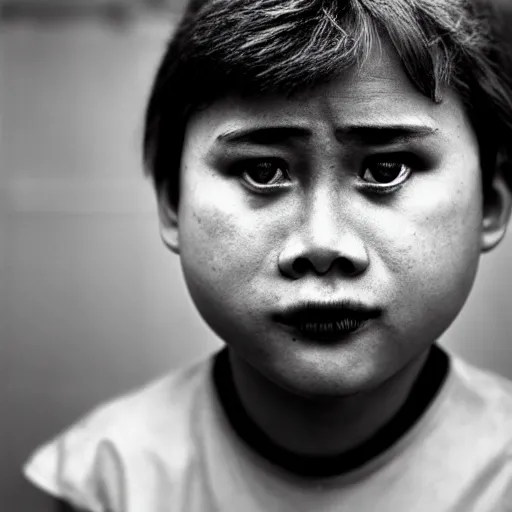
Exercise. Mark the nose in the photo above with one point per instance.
(323, 242)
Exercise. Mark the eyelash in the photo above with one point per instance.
(408, 162)
(242, 168)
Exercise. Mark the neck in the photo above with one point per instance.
(320, 428)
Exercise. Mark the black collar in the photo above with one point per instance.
(423, 392)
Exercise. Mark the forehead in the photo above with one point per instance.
(377, 93)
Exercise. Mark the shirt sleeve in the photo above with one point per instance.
(43, 502)
(79, 470)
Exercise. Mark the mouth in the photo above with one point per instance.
(327, 321)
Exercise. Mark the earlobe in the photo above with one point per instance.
(168, 217)
(496, 214)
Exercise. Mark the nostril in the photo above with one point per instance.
(300, 266)
(347, 266)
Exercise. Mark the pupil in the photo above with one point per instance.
(263, 174)
(386, 173)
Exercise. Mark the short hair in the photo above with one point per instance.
(257, 47)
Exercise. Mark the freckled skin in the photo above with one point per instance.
(418, 247)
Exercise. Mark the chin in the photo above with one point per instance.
(317, 374)
(321, 386)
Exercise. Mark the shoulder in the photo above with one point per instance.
(471, 433)
(479, 402)
(88, 463)
(483, 388)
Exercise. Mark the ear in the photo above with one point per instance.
(168, 217)
(496, 213)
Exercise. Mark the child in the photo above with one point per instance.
(329, 173)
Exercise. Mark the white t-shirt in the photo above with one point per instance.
(170, 448)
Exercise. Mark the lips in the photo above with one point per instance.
(325, 321)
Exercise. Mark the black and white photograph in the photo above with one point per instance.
(255, 255)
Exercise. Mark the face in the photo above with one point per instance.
(330, 238)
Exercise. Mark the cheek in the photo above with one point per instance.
(223, 244)
(448, 224)
(436, 245)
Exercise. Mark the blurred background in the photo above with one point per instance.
(91, 304)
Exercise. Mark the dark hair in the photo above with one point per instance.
(257, 47)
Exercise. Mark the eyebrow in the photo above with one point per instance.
(266, 135)
(377, 134)
(385, 134)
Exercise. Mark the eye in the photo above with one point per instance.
(263, 173)
(386, 172)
